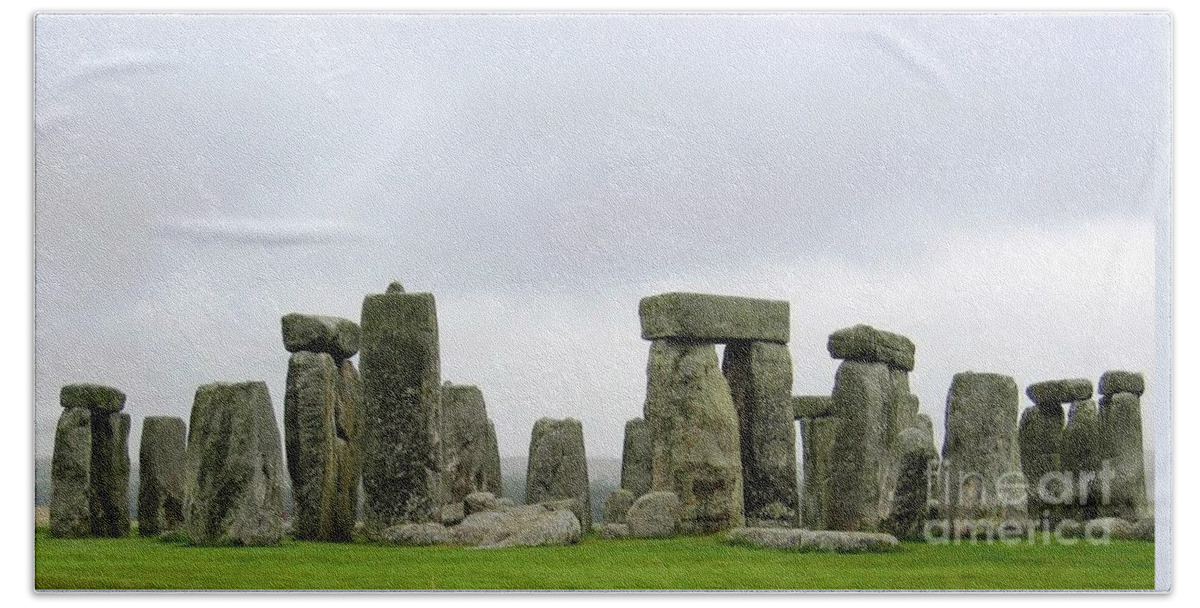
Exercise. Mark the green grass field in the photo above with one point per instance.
(683, 563)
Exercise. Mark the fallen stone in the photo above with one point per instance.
(70, 475)
(401, 390)
(109, 489)
(980, 453)
(553, 528)
(528, 525)
(760, 382)
(1143, 529)
(334, 336)
(694, 434)
(819, 435)
(654, 515)
(811, 406)
(1121, 445)
(478, 502)
(95, 397)
(867, 344)
(505, 503)
(862, 396)
(464, 440)
(233, 472)
(910, 507)
(452, 514)
(1113, 382)
(637, 459)
(160, 475)
(1111, 528)
(713, 318)
(617, 505)
(558, 465)
(794, 539)
(417, 535)
(1055, 392)
(612, 531)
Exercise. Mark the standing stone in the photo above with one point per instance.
(694, 435)
(980, 451)
(617, 505)
(349, 421)
(1081, 457)
(491, 463)
(401, 387)
(1040, 436)
(233, 471)
(109, 492)
(654, 515)
(558, 466)
(160, 475)
(1121, 446)
(760, 382)
(818, 436)
(910, 508)
(465, 437)
(70, 475)
(637, 460)
(862, 395)
(321, 456)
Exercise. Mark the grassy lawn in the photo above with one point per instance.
(683, 563)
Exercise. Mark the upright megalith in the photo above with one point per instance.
(160, 475)
(490, 469)
(70, 475)
(760, 382)
(401, 390)
(694, 435)
(1081, 457)
(465, 440)
(1121, 444)
(1050, 492)
(105, 486)
(818, 434)
(321, 427)
(557, 467)
(910, 507)
(862, 395)
(980, 468)
(637, 459)
(233, 470)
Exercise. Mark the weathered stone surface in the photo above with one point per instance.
(417, 535)
(160, 475)
(637, 458)
(811, 406)
(109, 490)
(96, 397)
(334, 336)
(395, 287)
(233, 472)
(1040, 436)
(980, 454)
(321, 456)
(617, 505)
(1113, 382)
(1055, 392)
(1121, 445)
(910, 507)
(862, 394)
(867, 344)
(818, 436)
(558, 465)
(712, 318)
(490, 470)
(1143, 529)
(760, 382)
(452, 514)
(478, 502)
(654, 515)
(523, 525)
(401, 389)
(792, 539)
(694, 435)
(70, 475)
(1081, 457)
(504, 503)
(464, 440)
(612, 531)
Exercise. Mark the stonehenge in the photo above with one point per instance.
(160, 475)
(401, 396)
(233, 468)
(1040, 433)
(722, 437)
(90, 467)
(557, 468)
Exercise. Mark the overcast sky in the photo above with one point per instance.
(994, 187)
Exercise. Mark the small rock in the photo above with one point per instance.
(654, 515)
(1143, 529)
(614, 531)
(552, 528)
(617, 505)
(478, 502)
(794, 539)
(416, 535)
(452, 514)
